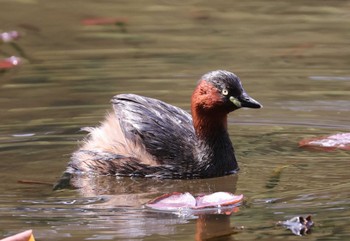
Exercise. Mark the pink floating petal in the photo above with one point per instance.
(218, 199)
(172, 201)
(7, 37)
(328, 143)
(14, 60)
(219, 202)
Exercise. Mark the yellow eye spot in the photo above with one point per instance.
(225, 92)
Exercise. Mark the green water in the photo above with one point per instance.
(292, 56)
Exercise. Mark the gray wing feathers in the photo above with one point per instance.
(164, 129)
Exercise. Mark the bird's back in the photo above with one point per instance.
(141, 137)
(166, 131)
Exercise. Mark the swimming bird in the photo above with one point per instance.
(146, 137)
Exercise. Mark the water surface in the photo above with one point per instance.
(292, 56)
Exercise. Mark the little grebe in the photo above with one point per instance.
(146, 137)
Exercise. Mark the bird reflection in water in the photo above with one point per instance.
(132, 193)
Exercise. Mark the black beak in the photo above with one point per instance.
(249, 102)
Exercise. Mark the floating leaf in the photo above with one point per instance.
(10, 63)
(172, 201)
(7, 37)
(218, 202)
(298, 225)
(24, 236)
(327, 143)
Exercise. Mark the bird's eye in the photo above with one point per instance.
(225, 92)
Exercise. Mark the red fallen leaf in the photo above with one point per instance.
(5, 64)
(10, 63)
(328, 143)
(103, 21)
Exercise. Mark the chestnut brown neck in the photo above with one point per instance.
(215, 151)
(208, 117)
(208, 125)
